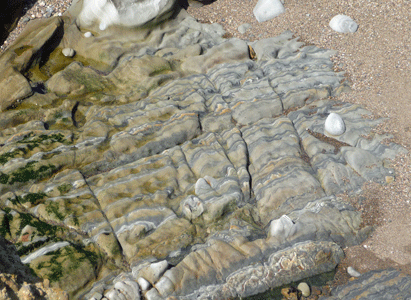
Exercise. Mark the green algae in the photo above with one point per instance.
(64, 188)
(33, 198)
(43, 228)
(57, 62)
(53, 208)
(5, 223)
(4, 158)
(27, 173)
(66, 259)
(43, 139)
(19, 51)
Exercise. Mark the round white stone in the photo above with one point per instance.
(304, 288)
(68, 52)
(343, 24)
(334, 124)
(352, 272)
(88, 34)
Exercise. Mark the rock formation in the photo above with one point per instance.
(169, 162)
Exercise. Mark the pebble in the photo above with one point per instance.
(304, 288)
(334, 124)
(68, 52)
(343, 24)
(352, 272)
(88, 34)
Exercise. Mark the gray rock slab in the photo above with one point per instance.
(171, 144)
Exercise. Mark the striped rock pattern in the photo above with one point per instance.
(176, 166)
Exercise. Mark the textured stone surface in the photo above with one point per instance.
(381, 284)
(165, 162)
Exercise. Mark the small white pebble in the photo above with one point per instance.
(68, 52)
(352, 272)
(304, 288)
(88, 34)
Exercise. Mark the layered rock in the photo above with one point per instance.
(170, 162)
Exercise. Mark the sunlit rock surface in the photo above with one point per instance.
(165, 161)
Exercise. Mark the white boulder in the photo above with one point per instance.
(268, 9)
(282, 228)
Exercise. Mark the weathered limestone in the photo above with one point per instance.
(168, 163)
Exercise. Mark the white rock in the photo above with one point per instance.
(144, 284)
(128, 288)
(164, 286)
(268, 9)
(68, 52)
(192, 207)
(154, 271)
(88, 34)
(304, 288)
(334, 124)
(343, 24)
(352, 272)
(202, 187)
(282, 227)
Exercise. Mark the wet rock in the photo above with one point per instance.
(14, 87)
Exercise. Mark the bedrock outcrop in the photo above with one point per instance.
(169, 162)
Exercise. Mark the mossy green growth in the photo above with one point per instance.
(27, 173)
(64, 188)
(33, 198)
(5, 223)
(7, 156)
(44, 139)
(53, 208)
(43, 228)
(66, 259)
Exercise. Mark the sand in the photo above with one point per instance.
(377, 61)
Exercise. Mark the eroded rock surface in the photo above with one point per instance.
(168, 161)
